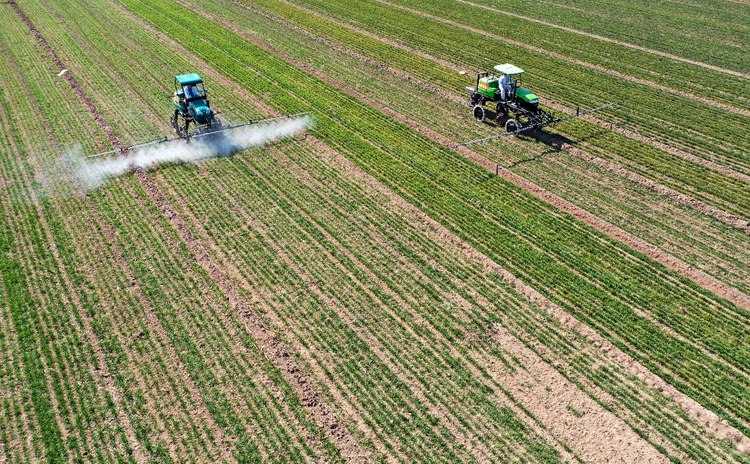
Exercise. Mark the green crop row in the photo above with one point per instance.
(452, 120)
(602, 281)
(652, 112)
(708, 33)
(120, 213)
(708, 185)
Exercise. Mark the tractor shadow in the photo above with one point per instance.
(555, 142)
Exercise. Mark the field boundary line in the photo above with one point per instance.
(573, 60)
(699, 277)
(607, 39)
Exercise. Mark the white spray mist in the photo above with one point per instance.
(92, 173)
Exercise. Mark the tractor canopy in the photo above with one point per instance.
(508, 69)
(188, 79)
(526, 96)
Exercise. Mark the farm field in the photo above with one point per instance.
(361, 292)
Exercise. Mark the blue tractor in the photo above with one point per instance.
(192, 105)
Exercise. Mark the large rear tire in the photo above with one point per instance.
(478, 112)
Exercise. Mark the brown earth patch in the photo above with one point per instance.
(713, 423)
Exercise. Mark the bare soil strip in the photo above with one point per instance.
(607, 39)
(574, 61)
(151, 314)
(598, 435)
(713, 423)
(727, 218)
(672, 263)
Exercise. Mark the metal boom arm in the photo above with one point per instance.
(192, 136)
(532, 126)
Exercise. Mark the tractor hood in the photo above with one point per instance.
(526, 96)
(200, 111)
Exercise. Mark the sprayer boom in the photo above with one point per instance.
(196, 135)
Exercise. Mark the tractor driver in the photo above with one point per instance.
(506, 83)
(191, 92)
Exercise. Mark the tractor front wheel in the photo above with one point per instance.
(478, 113)
(512, 125)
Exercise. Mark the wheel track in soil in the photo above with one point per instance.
(699, 277)
(248, 314)
(607, 39)
(698, 205)
(595, 67)
(552, 412)
(101, 122)
(377, 346)
(615, 354)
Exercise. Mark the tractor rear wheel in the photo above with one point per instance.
(175, 124)
(512, 125)
(478, 112)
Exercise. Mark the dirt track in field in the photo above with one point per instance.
(610, 230)
(607, 39)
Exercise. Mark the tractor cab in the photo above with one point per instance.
(190, 99)
(511, 77)
(191, 103)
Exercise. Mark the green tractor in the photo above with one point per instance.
(519, 106)
(192, 104)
